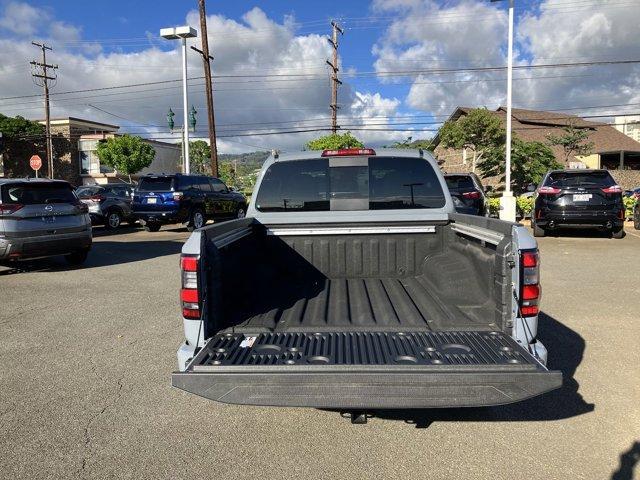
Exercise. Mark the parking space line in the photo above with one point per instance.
(634, 234)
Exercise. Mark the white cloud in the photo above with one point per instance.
(252, 47)
(428, 34)
(21, 18)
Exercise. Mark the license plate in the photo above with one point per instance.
(582, 197)
(152, 200)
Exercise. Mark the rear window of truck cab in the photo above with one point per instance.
(373, 183)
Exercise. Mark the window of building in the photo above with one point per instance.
(89, 161)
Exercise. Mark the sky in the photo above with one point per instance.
(405, 64)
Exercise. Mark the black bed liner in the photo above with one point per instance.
(366, 370)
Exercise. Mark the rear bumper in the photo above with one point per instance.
(369, 389)
(44, 246)
(167, 216)
(365, 370)
(552, 219)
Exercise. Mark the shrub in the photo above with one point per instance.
(629, 203)
(494, 206)
(524, 205)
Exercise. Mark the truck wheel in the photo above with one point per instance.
(77, 258)
(537, 231)
(617, 233)
(196, 220)
(152, 227)
(113, 219)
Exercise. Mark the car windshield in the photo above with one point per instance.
(580, 179)
(459, 182)
(33, 194)
(155, 184)
(376, 183)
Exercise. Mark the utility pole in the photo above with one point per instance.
(206, 60)
(334, 75)
(42, 79)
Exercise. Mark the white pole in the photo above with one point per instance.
(185, 123)
(509, 94)
(507, 201)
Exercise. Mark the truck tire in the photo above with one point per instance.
(113, 219)
(196, 220)
(617, 233)
(77, 258)
(152, 227)
(537, 231)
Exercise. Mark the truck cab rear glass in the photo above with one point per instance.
(379, 183)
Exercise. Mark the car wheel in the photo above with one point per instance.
(77, 258)
(617, 233)
(537, 231)
(196, 220)
(240, 213)
(152, 227)
(113, 219)
(636, 219)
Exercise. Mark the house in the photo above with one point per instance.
(612, 149)
(84, 165)
(74, 143)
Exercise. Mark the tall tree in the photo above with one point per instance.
(479, 131)
(334, 142)
(126, 154)
(529, 162)
(573, 141)
(200, 157)
(410, 143)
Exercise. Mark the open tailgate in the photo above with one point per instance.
(362, 370)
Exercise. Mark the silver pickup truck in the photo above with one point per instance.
(353, 284)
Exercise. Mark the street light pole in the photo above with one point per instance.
(185, 102)
(174, 33)
(508, 201)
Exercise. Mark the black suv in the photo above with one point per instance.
(578, 198)
(189, 199)
(467, 193)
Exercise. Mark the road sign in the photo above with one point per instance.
(35, 162)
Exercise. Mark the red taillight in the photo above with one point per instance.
(348, 152)
(472, 195)
(97, 198)
(189, 294)
(10, 207)
(613, 189)
(530, 283)
(529, 259)
(548, 191)
(189, 264)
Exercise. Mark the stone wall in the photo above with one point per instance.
(627, 179)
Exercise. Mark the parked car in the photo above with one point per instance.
(189, 199)
(633, 193)
(578, 198)
(42, 218)
(468, 193)
(353, 284)
(109, 205)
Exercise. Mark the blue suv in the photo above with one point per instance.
(187, 199)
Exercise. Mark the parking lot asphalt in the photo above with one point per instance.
(87, 353)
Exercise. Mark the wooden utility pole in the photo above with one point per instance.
(42, 79)
(334, 75)
(206, 59)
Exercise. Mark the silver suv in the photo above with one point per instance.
(42, 218)
(109, 205)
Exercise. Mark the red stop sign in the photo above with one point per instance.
(35, 162)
